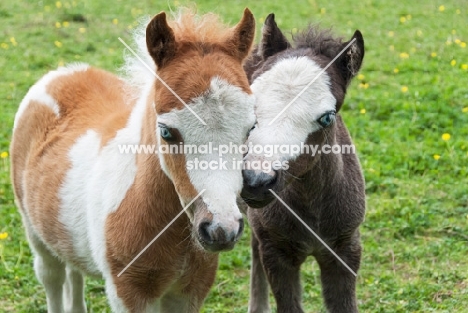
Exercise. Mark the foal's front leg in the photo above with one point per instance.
(258, 282)
(282, 267)
(338, 283)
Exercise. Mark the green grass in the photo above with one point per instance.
(415, 234)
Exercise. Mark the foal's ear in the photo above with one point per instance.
(243, 35)
(160, 40)
(350, 60)
(273, 40)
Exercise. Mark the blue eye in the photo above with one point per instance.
(327, 119)
(165, 133)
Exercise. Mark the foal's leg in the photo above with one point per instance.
(338, 283)
(50, 271)
(282, 267)
(73, 292)
(258, 282)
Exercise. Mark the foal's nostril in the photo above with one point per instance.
(203, 232)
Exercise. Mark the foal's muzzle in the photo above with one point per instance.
(215, 237)
(257, 184)
(217, 230)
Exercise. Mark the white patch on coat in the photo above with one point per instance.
(94, 187)
(276, 88)
(38, 92)
(229, 114)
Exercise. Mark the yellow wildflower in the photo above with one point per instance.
(408, 17)
(323, 11)
(436, 157)
(361, 77)
(402, 19)
(419, 32)
(404, 55)
(66, 24)
(58, 4)
(4, 45)
(458, 11)
(391, 33)
(3, 236)
(463, 44)
(362, 111)
(13, 41)
(115, 21)
(404, 89)
(465, 110)
(446, 137)
(442, 8)
(457, 41)
(395, 70)
(58, 44)
(58, 25)
(364, 85)
(464, 67)
(453, 62)
(47, 8)
(82, 30)
(4, 155)
(433, 54)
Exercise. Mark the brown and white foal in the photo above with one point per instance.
(325, 190)
(88, 208)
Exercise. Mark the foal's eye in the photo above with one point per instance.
(327, 119)
(165, 133)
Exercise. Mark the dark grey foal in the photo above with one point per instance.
(326, 190)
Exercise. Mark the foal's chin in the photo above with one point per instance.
(256, 200)
(216, 246)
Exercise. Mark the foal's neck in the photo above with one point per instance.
(151, 179)
(324, 171)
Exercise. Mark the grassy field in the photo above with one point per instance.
(407, 112)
